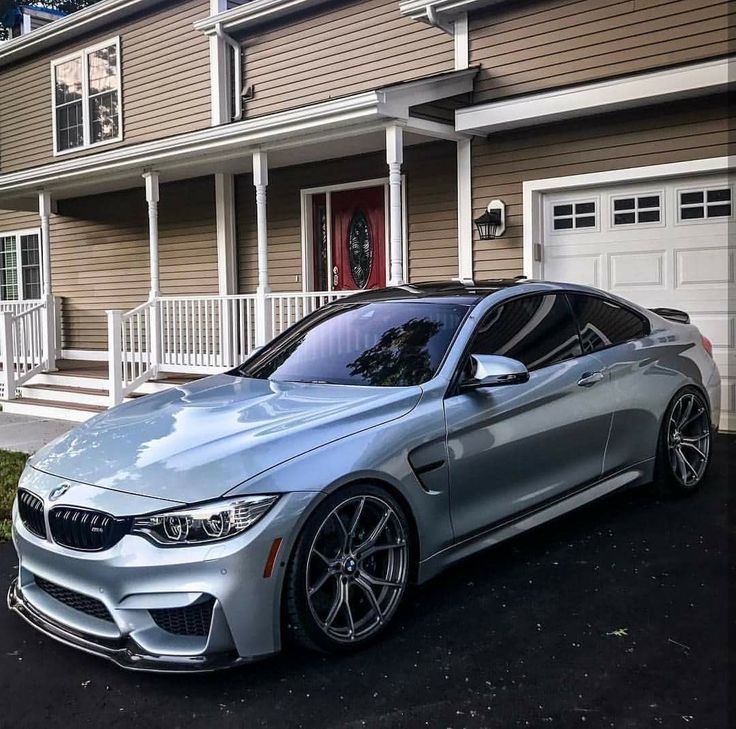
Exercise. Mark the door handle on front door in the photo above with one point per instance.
(591, 378)
(335, 277)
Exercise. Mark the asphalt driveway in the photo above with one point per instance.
(615, 616)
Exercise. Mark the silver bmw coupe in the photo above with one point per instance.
(367, 448)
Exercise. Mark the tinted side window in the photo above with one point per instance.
(603, 324)
(536, 330)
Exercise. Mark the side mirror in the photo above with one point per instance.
(490, 370)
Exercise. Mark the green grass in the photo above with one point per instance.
(11, 466)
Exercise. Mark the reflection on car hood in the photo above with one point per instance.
(198, 441)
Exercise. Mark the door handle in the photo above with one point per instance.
(591, 378)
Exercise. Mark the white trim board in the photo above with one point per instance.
(425, 9)
(255, 12)
(533, 191)
(644, 89)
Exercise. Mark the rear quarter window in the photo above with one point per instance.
(605, 324)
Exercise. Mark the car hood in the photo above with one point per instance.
(198, 441)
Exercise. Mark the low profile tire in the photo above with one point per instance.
(349, 572)
(684, 452)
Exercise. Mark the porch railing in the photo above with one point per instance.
(27, 342)
(198, 334)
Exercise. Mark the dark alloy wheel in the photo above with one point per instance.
(350, 570)
(685, 443)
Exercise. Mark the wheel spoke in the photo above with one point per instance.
(373, 537)
(336, 605)
(687, 463)
(378, 548)
(688, 444)
(378, 581)
(368, 590)
(691, 419)
(328, 562)
(345, 538)
(681, 464)
(349, 611)
(356, 519)
(321, 583)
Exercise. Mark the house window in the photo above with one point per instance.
(87, 97)
(20, 266)
(637, 209)
(574, 215)
(704, 204)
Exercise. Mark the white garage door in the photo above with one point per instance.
(658, 244)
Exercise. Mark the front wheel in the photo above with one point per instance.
(685, 443)
(350, 570)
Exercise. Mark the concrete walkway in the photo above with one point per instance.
(26, 434)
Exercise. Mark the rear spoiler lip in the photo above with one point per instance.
(681, 317)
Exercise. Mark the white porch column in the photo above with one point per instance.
(395, 158)
(49, 334)
(263, 313)
(464, 210)
(227, 273)
(152, 199)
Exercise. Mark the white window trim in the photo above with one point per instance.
(17, 234)
(704, 220)
(612, 212)
(83, 55)
(307, 241)
(534, 191)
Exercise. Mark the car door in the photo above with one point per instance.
(512, 448)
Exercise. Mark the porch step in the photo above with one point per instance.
(65, 393)
(53, 409)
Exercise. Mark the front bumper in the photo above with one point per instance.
(123, 651)
(135, 581)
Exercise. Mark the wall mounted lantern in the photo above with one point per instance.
(492, 223)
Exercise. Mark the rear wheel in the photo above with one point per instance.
(350, 570)
(685, 443)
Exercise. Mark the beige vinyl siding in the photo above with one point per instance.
(165, 79)
(431, 202)
(100, 256)
(531, 46)
(17, 220)
(346, 48)
(694, 129)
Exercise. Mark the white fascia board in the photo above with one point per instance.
(252, 13)
(445, 9)
(67, 27)
(275, 129)
(645, 89)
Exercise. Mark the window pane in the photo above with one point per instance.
(536, 330)
(603, 324)
(651, 201)
(8, 269)
(626, 204)
(688, 198)
(68, 81)
(649, 216)
(103, 70)
(586, 222)
(587, 207)
(623, 219)
(723, 195)
(31, 265)
(103, 111)
(563, 210)
(692, 213)
(563, 224)
(719, 211)
(69, 126)
(386, 344)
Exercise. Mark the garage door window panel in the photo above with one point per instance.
(705, 204)
(645, 209)
(538, 331)
(575, 215)
(604, 324)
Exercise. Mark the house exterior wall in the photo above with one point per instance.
(341, 49)
(431, 214)
(533, 46)
(100, 255)
(677, 132)
(165, 85)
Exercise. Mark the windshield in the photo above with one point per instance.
(385, 343)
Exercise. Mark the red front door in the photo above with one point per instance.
(358, 239)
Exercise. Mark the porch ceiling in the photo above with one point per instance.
(352, 125)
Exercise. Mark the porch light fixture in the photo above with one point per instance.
(492, 223)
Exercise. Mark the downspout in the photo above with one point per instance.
(237, 114)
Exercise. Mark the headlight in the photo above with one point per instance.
(207, 523)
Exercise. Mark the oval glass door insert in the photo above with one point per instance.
(360, 250)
